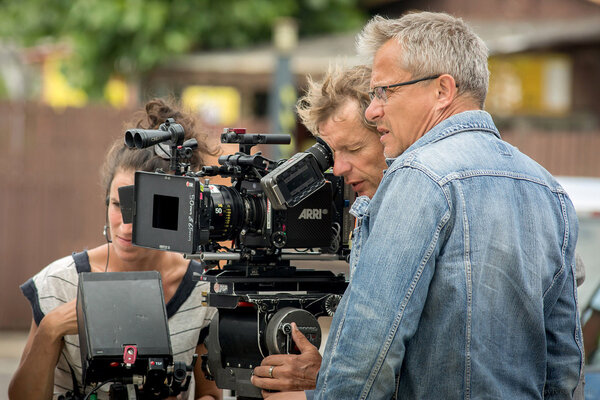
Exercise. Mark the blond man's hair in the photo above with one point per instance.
(326, 97)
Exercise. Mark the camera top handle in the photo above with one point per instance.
(248, 140)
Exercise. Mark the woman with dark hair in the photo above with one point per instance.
(51, 360)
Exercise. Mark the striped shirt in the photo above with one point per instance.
(57, 284)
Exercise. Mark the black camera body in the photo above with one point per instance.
(269, 206)
(273, 212)
(183, 214)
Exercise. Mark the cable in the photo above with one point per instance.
(106, 228)
(107, 254)
(98, 387)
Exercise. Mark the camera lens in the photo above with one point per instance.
(232, 211)
(322, 153)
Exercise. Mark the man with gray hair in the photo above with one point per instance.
(464, 284)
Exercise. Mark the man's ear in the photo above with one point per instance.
(446, 90)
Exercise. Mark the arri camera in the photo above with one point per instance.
(272, 213)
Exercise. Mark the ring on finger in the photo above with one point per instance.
(271, 371)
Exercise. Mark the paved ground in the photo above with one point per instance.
(11, 347)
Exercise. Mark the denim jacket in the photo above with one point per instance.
(462, 278)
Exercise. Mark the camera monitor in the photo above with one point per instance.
(117, 311)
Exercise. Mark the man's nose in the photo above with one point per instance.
(341, 166)
(374, 111)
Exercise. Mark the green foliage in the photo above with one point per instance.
(130, 37)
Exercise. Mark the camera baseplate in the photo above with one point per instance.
(255, 315)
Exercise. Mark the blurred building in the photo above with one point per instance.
(545, 58)
(545, 55)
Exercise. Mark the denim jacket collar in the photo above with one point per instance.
(468, 120)
(359, 207)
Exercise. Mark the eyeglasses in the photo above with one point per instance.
(379, 92)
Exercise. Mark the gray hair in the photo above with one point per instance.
(433, 43)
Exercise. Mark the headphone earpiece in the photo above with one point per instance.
(105, 233)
